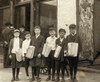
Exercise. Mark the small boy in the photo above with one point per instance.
(60, 61)
(73, 61)
(51, 42)
(35, 62)
(25, 46)
(14, 46)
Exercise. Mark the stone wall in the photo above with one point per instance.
(86, 28)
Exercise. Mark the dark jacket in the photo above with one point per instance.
(15, 63)
(38, 43)
(71, 38)
(11, 45)
(7, 34)
(61, 55)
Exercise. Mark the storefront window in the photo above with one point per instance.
(4, 3)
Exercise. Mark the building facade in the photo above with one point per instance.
(60, 13)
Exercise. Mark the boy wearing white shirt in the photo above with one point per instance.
(14, 46)
(25, 46)
(51, 42)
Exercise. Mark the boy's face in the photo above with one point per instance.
(37, 31)
(72, 31)
(61, 34)
(16, 34)
(21, 29)
(52, 33)
(27, 36)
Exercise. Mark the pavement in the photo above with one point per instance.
(86, 73)
(82, 76)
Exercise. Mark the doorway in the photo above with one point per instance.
(22, 16)
(97, 25)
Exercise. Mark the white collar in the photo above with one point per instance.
(27, 39)
(53, 37)
(73, 34)
(16, 37)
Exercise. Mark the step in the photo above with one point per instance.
(1, 58)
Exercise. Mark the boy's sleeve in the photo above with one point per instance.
(42, 44)
(23, 48)
(47, 41)
(10, 47)
(57, 43)
(21, 43)
(66, 42)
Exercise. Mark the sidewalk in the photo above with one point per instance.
(82, 76)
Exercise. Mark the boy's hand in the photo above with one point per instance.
(10, 56)
(39, 55)
(65, 53)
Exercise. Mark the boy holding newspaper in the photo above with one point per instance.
(25, 46)
(35, 62)
(59, 55)
(15, 55)
(49, 51)
(72, 50)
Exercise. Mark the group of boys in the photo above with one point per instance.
(38, 42)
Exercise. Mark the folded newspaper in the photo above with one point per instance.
(72, 49)
(30, 52)
(19, 55)
(46, 50)
(57, 51)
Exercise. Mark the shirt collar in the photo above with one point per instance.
(53, 37)
(73, 34)
(16, 37)
(28, 39)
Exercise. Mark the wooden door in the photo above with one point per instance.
(97, 25)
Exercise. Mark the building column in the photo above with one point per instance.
(37, 12)
(12, 12)
(32, 17)
(66, 14)
(86, 28)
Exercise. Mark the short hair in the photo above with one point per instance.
(8, 24)
(52, 29)
(72, 26)
(62, 30)
(27, 32)
(22, 26)
(37, 27)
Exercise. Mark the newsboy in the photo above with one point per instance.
(73, 45)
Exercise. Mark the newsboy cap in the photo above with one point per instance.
(72, 26)
(16, 30)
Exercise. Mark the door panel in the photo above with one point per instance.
(97, 25)
(22, 16)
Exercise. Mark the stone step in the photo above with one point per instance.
(1, 58)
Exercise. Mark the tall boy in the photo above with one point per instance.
(26, 43)
(35, 62)
(73, 61)
(60, 61)
(51, 42)
(14, 46)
